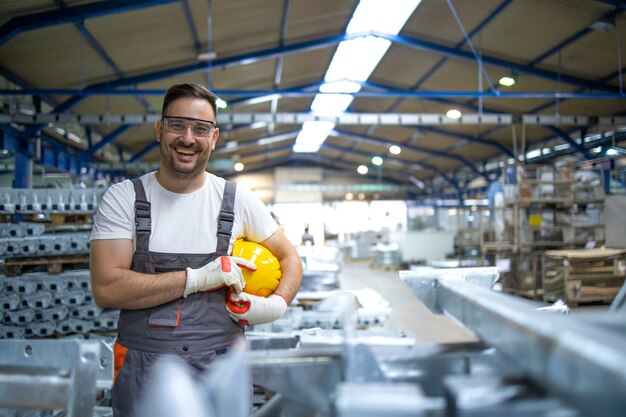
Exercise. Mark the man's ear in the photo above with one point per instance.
(158, 128)
(216, 135)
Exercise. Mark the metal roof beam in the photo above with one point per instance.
(391, 119)
(332, 40)
(244, 59)
(192, 26)
(71, 14)
(264, 141)
(266, 95)
(383, 143)
(486, 142)
(102, 53)
(570, 40)
(432, 168)
(578, 146)
(497, 62)
(144, 151)
(107, 140)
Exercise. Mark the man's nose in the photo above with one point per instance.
(188, 133)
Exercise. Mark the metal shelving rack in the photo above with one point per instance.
(544, 207)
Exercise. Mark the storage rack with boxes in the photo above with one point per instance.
(544, 207)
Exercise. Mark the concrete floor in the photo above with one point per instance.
(407, 312)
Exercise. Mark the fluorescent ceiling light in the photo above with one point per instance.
(453, 114)
(353, 63)
(206, 56)
(312, 135)
(356, 59)
(506, 81)
(389, 16)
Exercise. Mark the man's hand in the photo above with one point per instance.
(248, 309)
(222, 271)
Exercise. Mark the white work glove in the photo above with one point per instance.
(222, 271)
(248, 309)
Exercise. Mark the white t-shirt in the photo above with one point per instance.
(181, 223)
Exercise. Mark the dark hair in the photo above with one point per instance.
(189, 90)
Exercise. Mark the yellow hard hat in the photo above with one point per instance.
(265, 279)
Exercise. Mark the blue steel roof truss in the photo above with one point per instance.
(62, 158)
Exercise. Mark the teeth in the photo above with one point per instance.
(185, 151)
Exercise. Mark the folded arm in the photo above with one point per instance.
(115, 285)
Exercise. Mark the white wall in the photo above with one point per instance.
(424, 244)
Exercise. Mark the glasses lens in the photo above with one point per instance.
(198, 129)
(201, 129)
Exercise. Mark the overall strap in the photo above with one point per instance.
(226, 218)
(142, 216)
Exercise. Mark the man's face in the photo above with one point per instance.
(185, 147)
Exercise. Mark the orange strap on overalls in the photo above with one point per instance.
(119, 354)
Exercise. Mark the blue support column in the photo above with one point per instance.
(23, 167)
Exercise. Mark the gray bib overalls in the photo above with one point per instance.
(196, 328)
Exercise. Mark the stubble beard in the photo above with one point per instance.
(169, 163)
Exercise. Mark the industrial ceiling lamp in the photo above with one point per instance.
(453, 114)
(362, 169)
(506, 81)
(377, 160)
(239, 166)
(395, 150)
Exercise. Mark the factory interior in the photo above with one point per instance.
(451, 173)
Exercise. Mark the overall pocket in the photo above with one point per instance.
(168, 314)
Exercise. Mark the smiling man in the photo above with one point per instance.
(160, 246)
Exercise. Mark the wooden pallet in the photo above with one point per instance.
(53, 264)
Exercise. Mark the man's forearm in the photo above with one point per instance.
(289, 283)
(123, 288)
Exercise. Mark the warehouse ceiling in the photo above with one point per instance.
(83, 83)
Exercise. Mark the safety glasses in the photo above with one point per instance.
(199, 128)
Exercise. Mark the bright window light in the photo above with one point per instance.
(312, 135)
(362, 169)
(377, 160)
(389, 16)
(453, 114)
(340, 86)
(354, 61)
(395, 150)
(239, 167)
(331, 104)
(506, 81)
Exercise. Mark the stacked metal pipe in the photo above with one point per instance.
(42, 305)
(49, 200)
(52, 244)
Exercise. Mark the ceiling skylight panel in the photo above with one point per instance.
(353, 63)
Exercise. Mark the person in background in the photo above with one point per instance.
(160, 246)
(307, 237)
